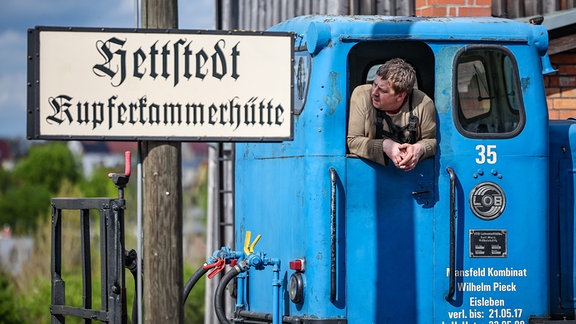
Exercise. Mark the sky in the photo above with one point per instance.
(16, 16)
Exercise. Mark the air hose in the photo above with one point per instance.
(219, 296)
(192, 281)
(130, 263)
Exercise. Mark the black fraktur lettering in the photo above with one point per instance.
(169, 61)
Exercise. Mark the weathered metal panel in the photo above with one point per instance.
(533, 7)
(526, 8)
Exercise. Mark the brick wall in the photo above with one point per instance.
(453, 8)
(561, 86)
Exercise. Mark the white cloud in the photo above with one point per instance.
(13, 93)
(12, 51)
(13, 105)
(9, 37)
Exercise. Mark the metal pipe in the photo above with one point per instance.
(241, 297)
(139, 249)
(276, 283)
(332, 234)
(451, 289)
(138, 298)
(255, 315)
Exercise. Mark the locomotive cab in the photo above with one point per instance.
(462, 238)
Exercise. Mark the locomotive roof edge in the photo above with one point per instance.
(352, 28)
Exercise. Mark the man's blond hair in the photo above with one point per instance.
(400, 73)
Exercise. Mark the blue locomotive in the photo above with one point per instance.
(483, 232)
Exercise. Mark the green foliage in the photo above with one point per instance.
(99, 185)
(25, 194)
(32, 306)
(21, 206)
(5, 181)
(48, 164)
(194, 306)
(9, 313)
(199, 192)
(33, 303)
(50, 170)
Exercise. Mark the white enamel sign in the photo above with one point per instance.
(87, 83)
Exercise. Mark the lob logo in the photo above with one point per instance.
(487, 200)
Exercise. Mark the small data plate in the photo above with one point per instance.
(488, 244)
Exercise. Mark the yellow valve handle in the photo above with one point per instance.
(249, 248)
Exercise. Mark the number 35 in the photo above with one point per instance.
(486, 154)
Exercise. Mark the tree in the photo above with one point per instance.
(21, 206)
(26, 193)
(48, 164)
(99, 184)
(5, 181)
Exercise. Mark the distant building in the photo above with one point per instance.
(5, 153)
(14, 251)
(94, 154)
(10, 151)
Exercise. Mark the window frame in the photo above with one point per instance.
(489, 70)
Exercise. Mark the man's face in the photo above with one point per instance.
(384, 97)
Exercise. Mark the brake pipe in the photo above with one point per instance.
(229, 255)
(192, 281)
(240, 295)
(259, 261)
(219, 295)
(276, 283)
(241, 262)
(218, 261)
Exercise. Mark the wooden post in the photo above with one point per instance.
(162, 205)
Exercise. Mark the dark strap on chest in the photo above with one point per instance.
(397, 133)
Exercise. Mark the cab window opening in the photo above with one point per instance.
(486, 93)
(364, 60)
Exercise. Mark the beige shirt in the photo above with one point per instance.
(362, 124)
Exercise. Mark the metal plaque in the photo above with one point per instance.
(488, 244)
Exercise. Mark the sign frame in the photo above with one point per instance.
(272, 108)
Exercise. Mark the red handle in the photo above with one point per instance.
(127, 163)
